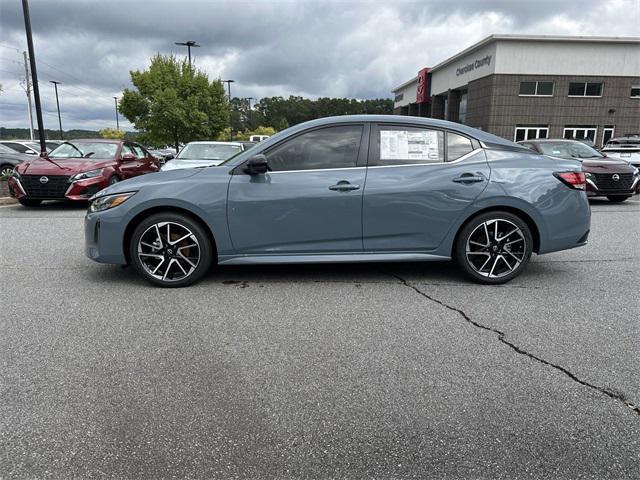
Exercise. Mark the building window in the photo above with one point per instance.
(607, 134)
(462, 109)
(399, 97)
(585, 89)
(580, 133)
(531, 132)
(536, 89)
(635, 91)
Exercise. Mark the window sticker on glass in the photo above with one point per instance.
(401, 144)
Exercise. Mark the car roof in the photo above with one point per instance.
(96, 140)
(479, 135)
(551, 140)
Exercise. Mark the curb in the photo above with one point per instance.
(7, 201)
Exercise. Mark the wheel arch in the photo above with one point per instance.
(140, 216)
(535, 231)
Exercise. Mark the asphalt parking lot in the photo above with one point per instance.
(350, 371)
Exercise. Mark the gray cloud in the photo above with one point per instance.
(314, 48)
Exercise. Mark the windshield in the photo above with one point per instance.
(101, 150)
(569, 150)
(208, 151)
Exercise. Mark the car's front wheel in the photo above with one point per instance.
(6, 170)
(618, 199)
(171, 250)
(494, 247)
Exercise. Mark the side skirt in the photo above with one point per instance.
(329, 258)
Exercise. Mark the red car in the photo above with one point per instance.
(78, 169)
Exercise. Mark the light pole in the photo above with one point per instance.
(229, 82)
(250, 98)
(115, 99)
(55, 84)
(34, 76)
(188, 44)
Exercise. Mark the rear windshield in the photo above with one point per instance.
(568, 150)
(98, 150)
(205, 151)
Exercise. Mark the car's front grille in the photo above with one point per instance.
(605, 181)
(55, 186)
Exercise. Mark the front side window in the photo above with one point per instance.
(333, 147)
(585, 89)
(139, 151)
(457, 146)
(18, 147)
(400, 145)
(539, 89)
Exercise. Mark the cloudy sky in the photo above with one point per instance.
(358, 49)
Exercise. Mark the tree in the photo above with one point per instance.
(112, 133)
(174, 103)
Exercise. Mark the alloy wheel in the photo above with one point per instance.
(169, 251)
(496, 248)
(6, 171)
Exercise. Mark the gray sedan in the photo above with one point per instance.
(348, 189)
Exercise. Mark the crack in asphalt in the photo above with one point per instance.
(618, 396)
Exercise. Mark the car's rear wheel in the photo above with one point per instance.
(618, 199)
(29, 202)
(494, 247)
(171, 250)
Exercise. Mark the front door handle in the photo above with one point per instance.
(469, 178)
(344, 186)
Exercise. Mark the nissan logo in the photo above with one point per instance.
(615, 177)
(44, 180)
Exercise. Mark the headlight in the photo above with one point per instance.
(588, 175)
(84, 175)
(15, 174)
(109, 201)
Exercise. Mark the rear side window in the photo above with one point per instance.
(18, 147)
(400, 145)
(333, 147)
(457, 146)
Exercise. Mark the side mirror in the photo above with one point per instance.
(129, 157)
(256, 165)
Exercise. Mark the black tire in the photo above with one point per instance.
(510, 247)
(29, 202)
(113, 180)
(6, 169)
(169, 253)
(618, 199)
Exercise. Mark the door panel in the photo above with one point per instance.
(296, 212)
(412, 207)
(312, 200)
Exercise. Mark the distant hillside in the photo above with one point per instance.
(23, 134)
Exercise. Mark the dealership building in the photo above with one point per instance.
(535, 86)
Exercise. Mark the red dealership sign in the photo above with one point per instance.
(424, 89)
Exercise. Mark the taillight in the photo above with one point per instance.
(572, 179)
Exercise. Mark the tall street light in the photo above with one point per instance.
(34, 76)
(188, 44)
(229, 82)
(55, 84)
(115, 99)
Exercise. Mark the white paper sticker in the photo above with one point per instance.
(404, 145)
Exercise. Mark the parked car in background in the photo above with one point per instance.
(78, 170)
(203, 154)
(30, 147)
(626, 148)
(362, 188)
(9, 158)
(605, 176)
(258, 138)
(247, 144)
(163, 155)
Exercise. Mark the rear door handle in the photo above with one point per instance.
(469, 178)
(344, 186)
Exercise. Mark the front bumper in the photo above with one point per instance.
(79, 190)
(593, 190)
(103, 237)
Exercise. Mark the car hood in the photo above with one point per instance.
(136, 183)
(609, 165)
(67, 166)
(178, 163)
